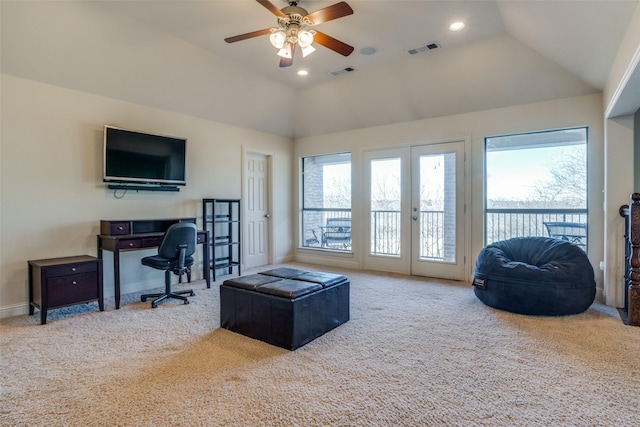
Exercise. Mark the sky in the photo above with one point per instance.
(512, 175)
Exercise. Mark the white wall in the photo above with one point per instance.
(623, 81)
(618, 186)
(86, 46)
(621, 99)
(53, 197)
(490, 73)
(569, 112)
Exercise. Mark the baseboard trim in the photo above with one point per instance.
(129, 288)
(14, 310)
(328, 261)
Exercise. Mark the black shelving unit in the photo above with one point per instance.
(221, 218)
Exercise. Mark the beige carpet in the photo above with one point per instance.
(415, 353)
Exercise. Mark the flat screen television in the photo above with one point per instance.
(132, 157)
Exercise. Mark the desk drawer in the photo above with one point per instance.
(149, 242)
(72, 289)
(119, 228)
(67, 269)
(130, 243)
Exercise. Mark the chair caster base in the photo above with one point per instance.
(161, 297)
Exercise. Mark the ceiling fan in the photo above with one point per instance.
(292, 30)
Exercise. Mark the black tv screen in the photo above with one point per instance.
(137, 157)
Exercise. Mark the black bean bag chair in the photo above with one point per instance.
(535, 275)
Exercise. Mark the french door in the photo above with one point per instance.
(416, 210)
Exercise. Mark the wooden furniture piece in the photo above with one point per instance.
(631, 213)
(132, 235)
(59, 282)
(221, 218)
(634, 260)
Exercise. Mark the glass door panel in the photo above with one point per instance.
(385, 206)
(415, 198)
(437, 211)
(387, 181)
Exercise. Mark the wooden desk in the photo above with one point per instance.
(134, 235)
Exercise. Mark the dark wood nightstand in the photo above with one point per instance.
(58, 282)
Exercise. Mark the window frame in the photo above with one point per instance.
(322, 237)
(570, 215)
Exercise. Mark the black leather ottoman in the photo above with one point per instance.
(285, 307)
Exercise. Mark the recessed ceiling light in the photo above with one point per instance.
(456, 26)
(303, 72)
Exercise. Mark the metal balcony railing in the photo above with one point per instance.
(501, 224)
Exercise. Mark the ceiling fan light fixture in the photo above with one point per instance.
(308, 50)
(305, 38)
(277, 38)
(292, 30)
(285, 51)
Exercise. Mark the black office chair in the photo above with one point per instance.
(174, 256)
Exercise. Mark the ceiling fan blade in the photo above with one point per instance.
(329, 13)
(333, 44)
(288, 62)
(272, 8)
(248, 35)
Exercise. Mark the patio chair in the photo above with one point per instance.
(337, 233)
(568, 231)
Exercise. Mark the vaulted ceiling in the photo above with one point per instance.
(172, 55)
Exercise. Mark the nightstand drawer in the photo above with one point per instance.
(67, 269)
(73, 289)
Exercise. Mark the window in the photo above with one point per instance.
(536, 185)
(326, 202)
(386, 194)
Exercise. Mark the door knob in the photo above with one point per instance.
(267, 216)
(415, 218)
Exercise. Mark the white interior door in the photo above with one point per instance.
(256, 210)
(437, 210)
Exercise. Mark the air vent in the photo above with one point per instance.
(425, 48)
(344, 70)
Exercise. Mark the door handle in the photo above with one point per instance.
(415, 218)
(267, 216)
